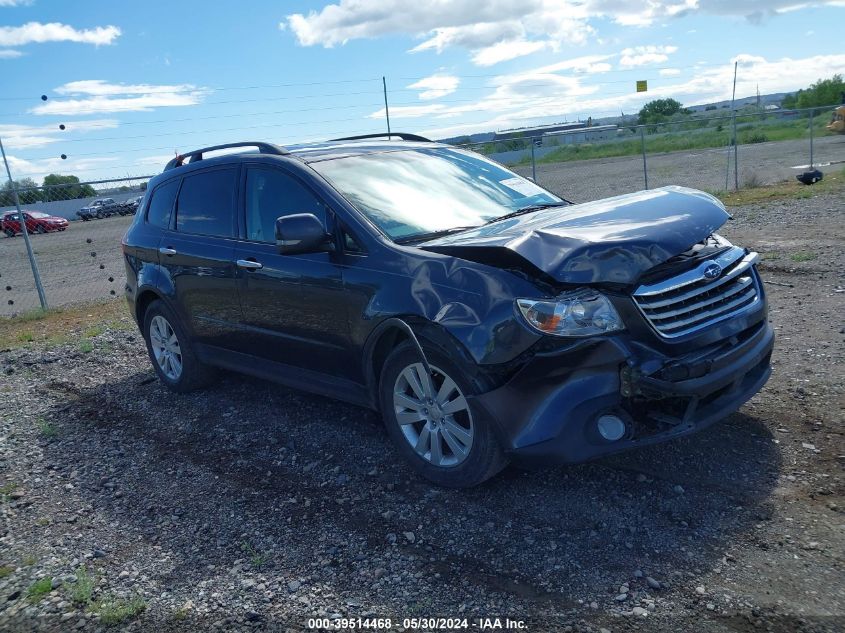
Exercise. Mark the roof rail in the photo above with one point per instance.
(195, 155)
(403, 135)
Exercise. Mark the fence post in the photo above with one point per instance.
(41, 297)
(812, 113)
(736, 156)
(645, 166)
(533, 163)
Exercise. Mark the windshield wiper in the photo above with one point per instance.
(424, 237)
(529, 209)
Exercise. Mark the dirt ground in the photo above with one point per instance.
(253, 507)
(83, 263)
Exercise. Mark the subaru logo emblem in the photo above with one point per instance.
(712, 272)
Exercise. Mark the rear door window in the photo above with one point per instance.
(206, 203)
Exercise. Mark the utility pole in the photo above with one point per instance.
(733, 111)
(386, 110)
(25, 232)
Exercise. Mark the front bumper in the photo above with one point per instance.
(547, 411)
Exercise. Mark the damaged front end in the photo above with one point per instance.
(696, 345)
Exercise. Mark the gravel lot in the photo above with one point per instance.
(761, 163)
(253, 507)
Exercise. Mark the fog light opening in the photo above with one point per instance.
(610, 427)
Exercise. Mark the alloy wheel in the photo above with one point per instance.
(166, 349)
(433, 415)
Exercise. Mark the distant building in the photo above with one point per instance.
(581, 135)
(540, 130)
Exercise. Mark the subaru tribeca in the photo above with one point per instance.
(486, 318)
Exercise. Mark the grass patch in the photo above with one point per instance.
(29, 560)
(256, 558)
(833, 182)
(63, 325)
(94, 330)
(116, 610)
(47, 428)
(86, 347)
(7, 489)
(81, 591)
(680, 136)
(6, 571)
(803, 256)
(39, 589)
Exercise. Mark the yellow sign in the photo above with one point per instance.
(642, 86)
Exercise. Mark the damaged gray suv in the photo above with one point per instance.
(486, 318)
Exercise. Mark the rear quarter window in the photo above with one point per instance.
(161, 204)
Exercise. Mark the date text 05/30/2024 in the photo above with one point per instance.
(410, 624)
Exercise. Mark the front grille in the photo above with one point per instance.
(691, 301)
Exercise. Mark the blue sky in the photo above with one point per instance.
(133, 82)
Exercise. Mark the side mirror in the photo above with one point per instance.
(302, 233)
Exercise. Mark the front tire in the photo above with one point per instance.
(171, 352)
(40, 230)
(438, 431)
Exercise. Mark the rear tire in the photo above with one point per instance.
(171, 352)
(9, 232)
(469, 452)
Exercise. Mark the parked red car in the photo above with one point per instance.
(36, 222)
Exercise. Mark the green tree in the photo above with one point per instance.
(824, 92)
(28, 196)
(66, 188)
(659, 110)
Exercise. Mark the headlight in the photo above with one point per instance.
(582, 312)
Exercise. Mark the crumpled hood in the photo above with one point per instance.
(613, 240)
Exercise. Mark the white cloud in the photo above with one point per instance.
(409, 112)
(15, 3)
(38, 33)
(669, 72)
(436, 86)
(95, 96)
(9, 53)
(37, 169)
(503, 51)
(498, 30)
(495, 31)
(644, 55)
(25, 136)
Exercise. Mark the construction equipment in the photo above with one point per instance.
(837, 121)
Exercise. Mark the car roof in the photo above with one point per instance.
(315, 152)
(329, 150)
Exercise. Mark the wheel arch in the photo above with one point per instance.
(390, 333)
(145, 298)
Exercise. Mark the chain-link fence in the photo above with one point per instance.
(74, 231)
(81, 260)
(585, 163)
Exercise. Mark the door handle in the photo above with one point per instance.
(167, 251)
(249, 264)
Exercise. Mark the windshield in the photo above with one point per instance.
(37, 214)
(423, 191)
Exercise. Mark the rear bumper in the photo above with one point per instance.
(547, 412)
